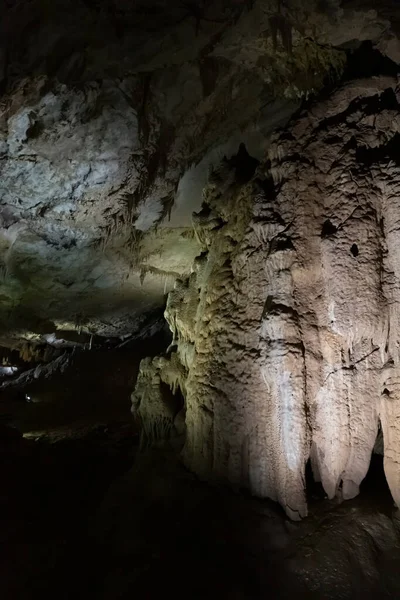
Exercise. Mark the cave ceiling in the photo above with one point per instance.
(113, 113)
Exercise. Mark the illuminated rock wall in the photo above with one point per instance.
(288, 327)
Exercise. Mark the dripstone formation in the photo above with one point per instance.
(286, 333)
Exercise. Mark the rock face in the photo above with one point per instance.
(68, 245)
(111, 114)
(288, 327)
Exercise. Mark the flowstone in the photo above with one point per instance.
(288, 328)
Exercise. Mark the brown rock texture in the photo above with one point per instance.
(288, 327)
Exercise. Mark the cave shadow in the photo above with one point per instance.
(94, 388)
(90, 519)
(374, 490)
(374, 495)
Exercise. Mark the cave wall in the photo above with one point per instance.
(111, 114)
(287, 329)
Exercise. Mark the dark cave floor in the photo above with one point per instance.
(82, 518)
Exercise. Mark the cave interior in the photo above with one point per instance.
(200, 299)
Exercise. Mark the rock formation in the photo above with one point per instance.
(112, 113)
(287, 330)
(285, 310)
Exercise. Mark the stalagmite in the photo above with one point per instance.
(291, 313)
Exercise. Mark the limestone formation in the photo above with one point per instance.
(288, 327)
(155, 400)
(111, 114)
(286, 346)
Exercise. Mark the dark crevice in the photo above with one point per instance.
(314, 489)
(209, 72)
(384, 101)
(328, 229)
(279, 244)
(174, 401)
(298, 158)
(369, 106)
(276, 308)
(244, 164)
(390, 151)
(363, 61)
(284, 243)
(367, 61)
(354, 250)
(372, 105)
(267, 187)
(338, 119)
(374, 489)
